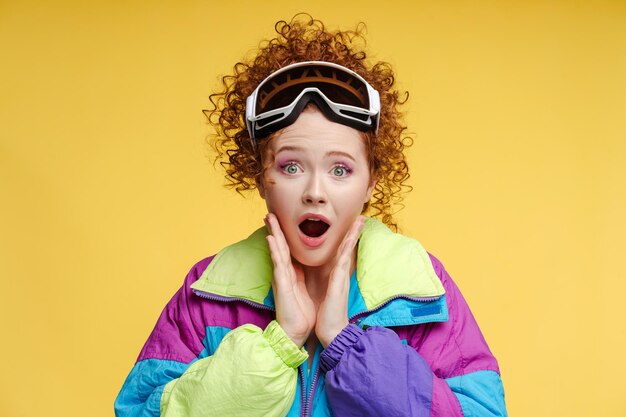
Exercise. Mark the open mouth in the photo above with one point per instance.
(314, 227)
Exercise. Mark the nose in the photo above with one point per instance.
(314, 191)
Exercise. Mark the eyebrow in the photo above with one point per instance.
(331, 153)
(339, 153)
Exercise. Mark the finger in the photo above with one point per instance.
(351, 238)
(277, 232)
(357, 227)
(278, 248)
(274, 252)
(340, 278)
(281, 268)
(285, 276)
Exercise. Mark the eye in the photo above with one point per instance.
(340, 171)
(290, 168)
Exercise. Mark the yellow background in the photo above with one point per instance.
(108, 196)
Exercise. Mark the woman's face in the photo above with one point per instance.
(316, 185)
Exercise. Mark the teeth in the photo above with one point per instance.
(314, 220)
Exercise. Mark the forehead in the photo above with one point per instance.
(313, 132)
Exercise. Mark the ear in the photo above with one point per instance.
(370, 191)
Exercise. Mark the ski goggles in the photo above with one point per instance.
(341, 94)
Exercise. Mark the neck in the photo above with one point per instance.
(317, 277)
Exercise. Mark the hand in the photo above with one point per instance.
(295, 311)
(332, 315)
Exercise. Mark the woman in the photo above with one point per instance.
(322, 311)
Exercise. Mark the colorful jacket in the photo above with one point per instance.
(413, 347)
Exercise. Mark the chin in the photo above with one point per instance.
(312, 259)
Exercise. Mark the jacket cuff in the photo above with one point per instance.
(331, 356)
(284, 346)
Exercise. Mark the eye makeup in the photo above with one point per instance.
(338, 167)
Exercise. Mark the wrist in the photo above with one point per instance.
(328, 336)
(343, 342)
(325, 341)
(286, 349)
(297, 337)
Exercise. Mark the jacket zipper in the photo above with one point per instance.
(304, 401)
(215, 297)
(307, 400)
(354, 318)
(302, 392)
(308, 407)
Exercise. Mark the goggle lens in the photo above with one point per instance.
(341, 94)
(338, 86)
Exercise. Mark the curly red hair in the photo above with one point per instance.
(306, 39)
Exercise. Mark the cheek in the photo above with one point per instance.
(357, 197)
(277, 199)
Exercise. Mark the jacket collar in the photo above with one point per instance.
(393, 271)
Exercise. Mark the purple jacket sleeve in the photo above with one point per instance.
(445, 369)
(371, 373)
